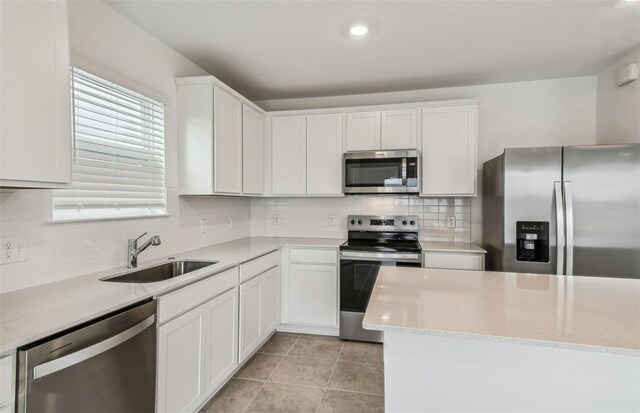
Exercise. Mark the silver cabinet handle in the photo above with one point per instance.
(69, 360)
(568, 204)
(559, 229)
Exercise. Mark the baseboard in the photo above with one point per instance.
(307, 329)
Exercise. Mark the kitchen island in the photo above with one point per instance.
(489, 341)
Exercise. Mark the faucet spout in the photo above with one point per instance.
(134, 250)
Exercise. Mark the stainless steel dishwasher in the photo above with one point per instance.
(104, 366)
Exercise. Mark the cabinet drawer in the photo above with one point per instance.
(7, 374)
(313, 256)
(184, 299)
(454, 260)
(250, 269)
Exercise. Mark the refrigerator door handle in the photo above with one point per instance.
(568, 202)
(559, 229)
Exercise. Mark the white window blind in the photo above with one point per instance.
(118, 153)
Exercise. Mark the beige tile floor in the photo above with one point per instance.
(295, 373)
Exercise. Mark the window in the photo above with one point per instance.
(118, 153)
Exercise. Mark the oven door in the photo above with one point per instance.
(358, 273)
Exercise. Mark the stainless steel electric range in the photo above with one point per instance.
(373, 242)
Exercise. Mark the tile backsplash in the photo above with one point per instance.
(59, 251)
(310, 217)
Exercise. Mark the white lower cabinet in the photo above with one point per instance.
(259, 310)
(249, 317)
(7, 382)
(197, 346)
(221, 339)
(197, 352)
(181, 362)
(270, 301)
(313, 294)
(310, 290)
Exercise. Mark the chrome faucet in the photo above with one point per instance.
(133, 250)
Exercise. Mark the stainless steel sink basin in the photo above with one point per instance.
(160, 272)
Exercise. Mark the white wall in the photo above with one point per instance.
(618, 119)
(524, 114)
(105, 42)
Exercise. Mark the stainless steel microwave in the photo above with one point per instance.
(382, 172)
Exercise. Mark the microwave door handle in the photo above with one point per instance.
(404, 171)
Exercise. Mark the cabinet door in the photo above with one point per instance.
(35, 132)
(289, 155)
(399, 129)
(324, 154)
(180, 362)
(252, 151)
(250, 323)
(221, 356)
(7, 382)
(449, 137)
(227, 143)
(313, 294)
(363, 131)
(270, 304)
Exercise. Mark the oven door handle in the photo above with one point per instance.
(381, 256)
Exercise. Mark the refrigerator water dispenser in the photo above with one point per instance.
(532, 241)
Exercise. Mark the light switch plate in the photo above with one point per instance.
(276, 219)
(332, 220)
(231, 222)
(14, 249)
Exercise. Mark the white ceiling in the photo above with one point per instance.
(284, 49)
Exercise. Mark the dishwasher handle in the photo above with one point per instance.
(86, 353)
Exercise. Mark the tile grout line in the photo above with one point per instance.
(330, 374)
(265, 382)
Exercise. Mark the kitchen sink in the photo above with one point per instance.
(160, 272)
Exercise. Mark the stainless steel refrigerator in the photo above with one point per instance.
(571, 210)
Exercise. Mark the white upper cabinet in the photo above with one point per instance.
(449, 138)
(289, 155)
(382, 130)
(227, 143)
(399, 129)
(35, 121)
(324, 154)
(253, 151)
(217, 131)
(363, 131)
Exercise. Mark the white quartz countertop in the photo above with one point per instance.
(584, 313)
(451, 247)
(33, 313)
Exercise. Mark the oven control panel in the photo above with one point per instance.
(396, 223)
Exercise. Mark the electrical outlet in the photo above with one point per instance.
(276, 219)
(14, 249)
(332, 220)
(231, 219)
(451, 222)
(203, 225)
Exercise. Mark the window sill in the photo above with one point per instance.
(92, 219)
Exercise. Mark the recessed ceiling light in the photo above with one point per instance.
(359, 30)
